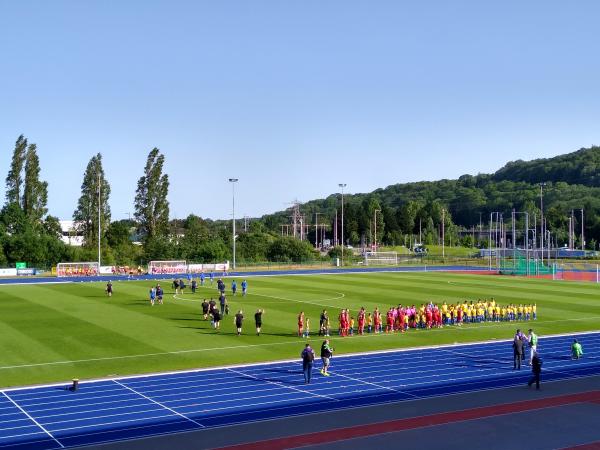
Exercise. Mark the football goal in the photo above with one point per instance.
(77, 269)
(381, 258)
(166, 267)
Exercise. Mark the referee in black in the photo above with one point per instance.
(258, 320)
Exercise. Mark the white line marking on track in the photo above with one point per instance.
(373, 384)
(283, 385)
(33, 420)
(159, 404)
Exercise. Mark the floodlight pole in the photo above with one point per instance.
(443, 243)
(233, 181)
(342, 185)
(99, 228)
(375, 214)
(317, 230)
(582, 236)
(542, 218)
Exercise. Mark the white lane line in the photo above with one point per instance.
(33, 420)
(159, 404)
(283, 385)
(374, 384)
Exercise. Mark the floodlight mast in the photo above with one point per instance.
(233, 181)
(375, 215)
(342, 185)
(99, 228)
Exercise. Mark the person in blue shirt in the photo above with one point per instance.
(211, 276)
(201, 278)
(233, 287)
(244, 287)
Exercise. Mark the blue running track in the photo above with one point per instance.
(52, 417)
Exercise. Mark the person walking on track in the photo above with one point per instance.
(536, 371)
(308, 358)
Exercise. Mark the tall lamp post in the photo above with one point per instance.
(542, 218)
(233, 181)
(443, 232)
(99, 227)
(342, 185)
(317, 230)
(582, 236)
(375, 214)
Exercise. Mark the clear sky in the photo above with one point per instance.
(292, 97)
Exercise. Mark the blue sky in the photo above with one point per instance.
(292, 97)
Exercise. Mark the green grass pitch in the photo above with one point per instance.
(55, 332)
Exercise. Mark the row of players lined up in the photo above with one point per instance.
(179, 285)
(427, 316)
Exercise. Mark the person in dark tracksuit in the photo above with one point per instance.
(308, 358)
(517, 352)
(536, 371)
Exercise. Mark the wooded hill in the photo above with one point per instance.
(572, 182)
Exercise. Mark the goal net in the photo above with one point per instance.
(381, 258)
(167, 267)
(77, 269)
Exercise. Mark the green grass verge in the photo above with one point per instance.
(54, 332)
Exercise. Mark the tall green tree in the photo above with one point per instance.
(35, 191)
(14, 180)
(151, 204)
(95, 192)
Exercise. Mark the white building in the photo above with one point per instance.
(70, 235)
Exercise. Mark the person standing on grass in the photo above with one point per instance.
(308, 358)
(216, 321)
(517, 352)
(194, 285)
(152, 296)
(258, 320)
(109, 288)
(233, 287)
(300, 324)
(361, 321)
(205, 306)
(307, 327)
(222, 302)
(159, 294)
(536, 371)
(326, 354)
(322, 319)
(238, 320)
(202, 278)
(533, 339)
(244, 288)
(576, 350)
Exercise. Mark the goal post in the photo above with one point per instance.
(77, 269)
(381, 258)
(167, 267)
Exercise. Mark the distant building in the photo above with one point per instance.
(70, 235)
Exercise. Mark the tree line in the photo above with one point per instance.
(401, 214)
